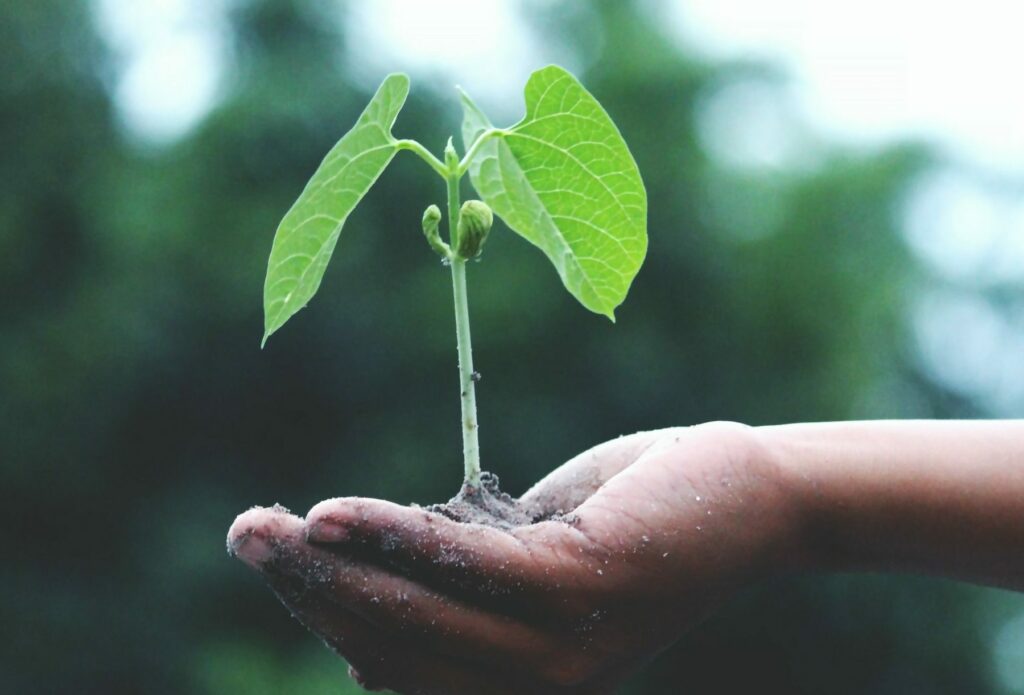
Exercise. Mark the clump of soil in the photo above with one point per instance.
(489, 506)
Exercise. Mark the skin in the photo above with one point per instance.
(666, 525)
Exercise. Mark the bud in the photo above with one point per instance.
(475, 220)
(451, 157)
(431, 218)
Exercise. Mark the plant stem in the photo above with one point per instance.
(475, 147)
(470, 441)
(423, 154)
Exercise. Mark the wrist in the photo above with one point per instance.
(787, 543)
(755, 499)
(806, 459)
(803, 528)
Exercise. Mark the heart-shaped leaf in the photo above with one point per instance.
(308, 233)
(564, 179)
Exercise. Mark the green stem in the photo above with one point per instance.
(475, 147)
(424, 154)
(470, 441)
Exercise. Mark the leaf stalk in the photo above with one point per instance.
(424, 154)
(463, 166)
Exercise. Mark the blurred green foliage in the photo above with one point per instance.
(138, 415)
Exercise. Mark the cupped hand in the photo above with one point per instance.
(662, 527)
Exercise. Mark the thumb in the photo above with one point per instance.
(572, 483)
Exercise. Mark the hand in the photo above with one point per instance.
(664, 526)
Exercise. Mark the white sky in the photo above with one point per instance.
(170, 52)
(871, 70)
(880, 69)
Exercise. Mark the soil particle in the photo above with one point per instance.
(489, 506)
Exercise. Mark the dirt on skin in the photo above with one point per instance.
(489, 506)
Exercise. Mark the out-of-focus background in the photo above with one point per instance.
(836, 231)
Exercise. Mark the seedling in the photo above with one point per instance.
(562, 178)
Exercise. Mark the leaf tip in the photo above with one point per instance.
(269, 328)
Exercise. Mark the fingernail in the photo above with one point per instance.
(324, 531)
(253, 550)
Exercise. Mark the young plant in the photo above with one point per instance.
(562, 178)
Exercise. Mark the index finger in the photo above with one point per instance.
(479, 560)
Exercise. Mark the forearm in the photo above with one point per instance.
(933, 497)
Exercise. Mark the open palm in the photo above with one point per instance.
(658, 527)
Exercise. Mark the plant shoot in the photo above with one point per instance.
(562, 178)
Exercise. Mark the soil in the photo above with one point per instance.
(489, 506)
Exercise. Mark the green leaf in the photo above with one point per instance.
(309, 232)
(564, 179)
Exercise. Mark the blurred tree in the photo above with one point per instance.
(137, 414)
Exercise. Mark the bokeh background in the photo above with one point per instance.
(837, 231)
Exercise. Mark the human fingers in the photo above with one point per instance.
(274, 542)
(378, 660)
(467, 559)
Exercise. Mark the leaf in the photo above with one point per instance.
(308, 233)
(564, 179)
